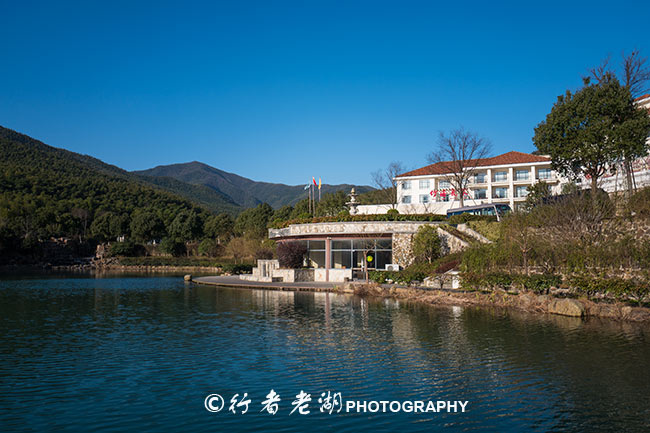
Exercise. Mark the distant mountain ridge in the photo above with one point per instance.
(239, 190)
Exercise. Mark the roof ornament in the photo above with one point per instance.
(352, 204)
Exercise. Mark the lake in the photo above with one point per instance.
(142, 353)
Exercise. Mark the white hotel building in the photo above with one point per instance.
(500, 179)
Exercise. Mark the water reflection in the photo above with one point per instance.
(129, 353)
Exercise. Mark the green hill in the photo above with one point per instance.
(48, 192)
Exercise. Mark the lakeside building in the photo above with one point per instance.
(616, 182)
(336, 251)
(500, 179)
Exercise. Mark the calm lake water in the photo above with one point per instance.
(142, 353)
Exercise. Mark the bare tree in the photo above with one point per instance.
(460, 153)
(386, 183)
(635, 75)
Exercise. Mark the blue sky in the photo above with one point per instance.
(282, 91)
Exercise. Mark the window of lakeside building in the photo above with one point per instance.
(424, 198)
(521, 175)
(480, 193)
(480, 178)
(500, 192)
(521, 191)
(500, 176)
(406, 184)
(406, 199)
(355, 251)
(444, 184)
(424, 184)
(544, 173)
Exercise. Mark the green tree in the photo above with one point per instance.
(210, 248)
(587, 132)
(283, 214)
(173, 246)
(537, 194)
(427, 244)
(100, 228)
(186, 226)
(219, 227)
(332, 204)
(146, 226)
(252, 223)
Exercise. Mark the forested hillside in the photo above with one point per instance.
(48, 192)
(242, 191)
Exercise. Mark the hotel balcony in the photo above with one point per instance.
(547, 179)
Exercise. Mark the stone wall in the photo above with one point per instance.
(403, 249)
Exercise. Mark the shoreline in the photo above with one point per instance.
(522, 301)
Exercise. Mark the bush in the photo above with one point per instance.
(540, 283)
(236, 269)
(639, 203)
(459, 219)
(392, 213)
(415, 272)
(612, 287)
(426, 244)
(263, 253)
(447, 263)
(127, 249)
(291, 254)
(305, 218)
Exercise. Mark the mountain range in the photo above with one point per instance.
(236, 189)
(213, 189)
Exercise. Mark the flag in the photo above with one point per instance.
(319, 183)
(314, 179)
(307, 186)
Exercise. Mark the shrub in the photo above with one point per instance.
(291, 254)
(540, 283)
(426, 244)
(127, 249)
(612, 287)
(392, 213)
(472, 281)
(236, 269)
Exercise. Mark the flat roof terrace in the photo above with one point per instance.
(348, 229)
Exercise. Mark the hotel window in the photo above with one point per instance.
(521, 175)
(424, 198)
(480, 194)
(444, 197)
(500, 192)
(424, 184)
(406, 184)
(406, 199)
(480, 178)
(544, 173)
(444, 184)
(521, 191)
(500, 176)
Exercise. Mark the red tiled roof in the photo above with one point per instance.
(504, 159)
(642, 97)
